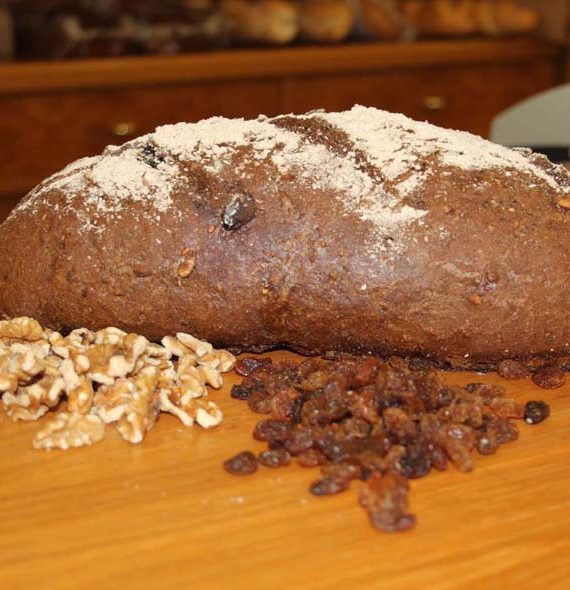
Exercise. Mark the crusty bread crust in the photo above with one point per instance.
(359, 232)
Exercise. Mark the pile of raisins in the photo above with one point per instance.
(548, 375)
(371, 420)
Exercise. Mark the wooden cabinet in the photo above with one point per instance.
(43, 132)
(463, 97)
(51, 114)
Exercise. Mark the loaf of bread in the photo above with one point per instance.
(6, 34)
(450, 18)
(357, 231)
(447, 18)
(326, 21)
(383, 19)
(271, 22)
(507, 17)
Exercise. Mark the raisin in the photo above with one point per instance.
(464, 411)
(459, 455)
(536, 412)
(342, 471)
(376, 421)
(504, 407)
(366, 372)
(275, 458)
(240, 392)
(272, 430)
(297, 409)
(487, 443)
(259, 402)
(438, 457)
(473, 387)
(398, 425)
(245, 367)
(549, 377)
(385, 498)
(445, 397)
(535, 363)
(430, 424)
(504, 430)
(311, 411)
(149, 154)
(243, 463)
(314, 381)
(334, 402)
(337, 451)
(356, 428)
(416, 461)
(458, 440)
(283, 403)
(239, 211)
(459, 432)
(299, 441)
(485, 390)
(311, 458)
(328, 485)
(365, 405)
(509, 369)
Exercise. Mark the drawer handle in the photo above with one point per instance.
(123, 129)
(435, 103)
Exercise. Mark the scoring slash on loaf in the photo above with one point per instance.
(360, 231)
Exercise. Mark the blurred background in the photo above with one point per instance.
(77, 75)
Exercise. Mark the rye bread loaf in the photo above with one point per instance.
(357, 231)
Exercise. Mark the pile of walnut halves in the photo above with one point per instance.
(106, 377)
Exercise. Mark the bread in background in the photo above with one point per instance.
(507, 17)
(326, 21)
(392, 19)
(383, 19)
(6, 34)
(270, 22)
(449, 18)
(62, 29)
(84, 29)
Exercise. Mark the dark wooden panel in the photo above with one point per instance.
(267, 63)
(466, 97)
(41, 133)
(7, 203)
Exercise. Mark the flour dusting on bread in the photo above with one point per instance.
(397, 145)
(107, 182)
(400, 152)
(360, 232)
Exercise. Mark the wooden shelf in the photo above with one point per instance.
(263, 63)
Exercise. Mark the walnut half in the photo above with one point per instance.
(70, 430)
(107, 377)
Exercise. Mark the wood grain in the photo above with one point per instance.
(265, 63)
(490, 87)
(165, 515)
(41, 133)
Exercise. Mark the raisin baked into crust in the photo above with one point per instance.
(357, 231)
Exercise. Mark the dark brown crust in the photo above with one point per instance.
(484, 277)
(319, 131)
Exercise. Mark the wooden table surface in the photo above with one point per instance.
(166, 515)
